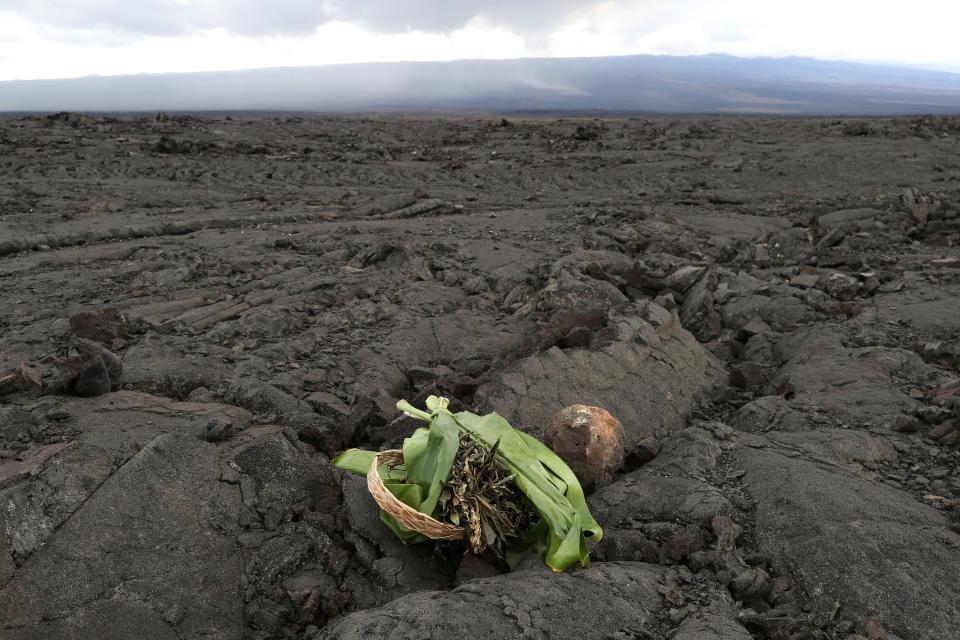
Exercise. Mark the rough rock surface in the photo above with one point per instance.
(649, 372)
(856, 541)
(610, 598)
(167, 501)
(715, 623)
(254, 295)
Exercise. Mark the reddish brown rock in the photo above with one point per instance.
(942, 395)
(905, 424)
(747, 376)
(590, 440)
(724, 525)
(12, 471)
(681, 544)
(107, 326)
(874, 630)
(23, 378)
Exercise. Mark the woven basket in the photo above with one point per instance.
(405, 514)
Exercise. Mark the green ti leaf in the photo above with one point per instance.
(355, 461)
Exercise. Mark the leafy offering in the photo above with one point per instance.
(481, 495)
(509, 490)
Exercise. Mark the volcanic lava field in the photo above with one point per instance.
(198, 313)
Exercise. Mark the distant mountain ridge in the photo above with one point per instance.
(710, 84)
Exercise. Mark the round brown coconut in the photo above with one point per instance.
(590, 441)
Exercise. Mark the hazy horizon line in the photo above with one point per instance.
(948, 70)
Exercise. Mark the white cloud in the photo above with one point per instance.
(56, 55)
(46, 39)
(293, 17)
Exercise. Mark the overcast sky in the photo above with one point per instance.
(69, 38)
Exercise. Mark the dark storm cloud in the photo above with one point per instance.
(292, 17)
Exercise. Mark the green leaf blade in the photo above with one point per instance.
(355, 461)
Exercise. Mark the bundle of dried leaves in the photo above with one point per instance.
(480, 494)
